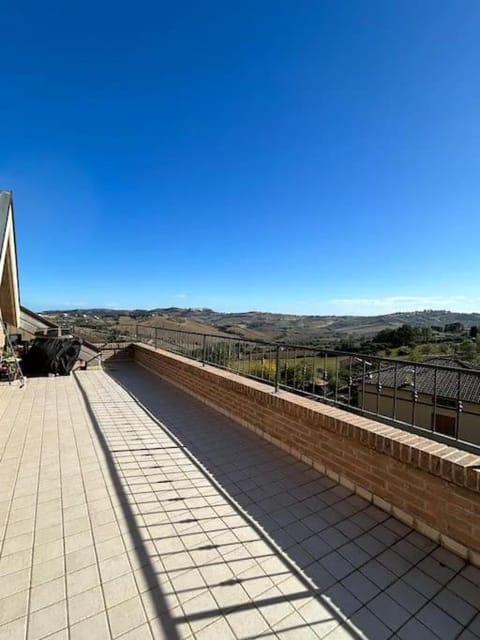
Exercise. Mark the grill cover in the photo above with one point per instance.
(51, 355)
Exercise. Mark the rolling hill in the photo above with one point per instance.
(262, 325)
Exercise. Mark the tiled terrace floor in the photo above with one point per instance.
(112, 525)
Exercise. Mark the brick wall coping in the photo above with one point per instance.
(446, 462)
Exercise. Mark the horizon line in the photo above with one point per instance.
(251, 311)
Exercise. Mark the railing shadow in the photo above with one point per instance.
(159, 602)
(222, 452)
(111, 434)
(312, 522)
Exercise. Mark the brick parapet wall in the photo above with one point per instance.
(116, 351)
(428, 485)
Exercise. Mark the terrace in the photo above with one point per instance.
(131, 509)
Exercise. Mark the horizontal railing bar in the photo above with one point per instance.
(320, 374)
(329, 352)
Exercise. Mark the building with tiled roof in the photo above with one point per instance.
(440, 394)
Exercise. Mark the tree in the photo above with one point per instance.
(473, 332)
(425, 349)
(296, 375)
(403, 336)
(426, 333)
(467, 350)
(407, 335)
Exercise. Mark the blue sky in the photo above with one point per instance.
(309, 157)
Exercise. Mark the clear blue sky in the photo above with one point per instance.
(311, 157)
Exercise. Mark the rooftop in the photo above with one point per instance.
(454, 384)
(153, 516)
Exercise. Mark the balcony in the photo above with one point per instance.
(132, 507)
(438, 398)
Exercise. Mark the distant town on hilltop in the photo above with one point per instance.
(429, 331)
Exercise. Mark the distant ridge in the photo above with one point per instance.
(278, 326)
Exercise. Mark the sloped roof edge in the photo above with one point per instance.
(5, 202)
(8, 250)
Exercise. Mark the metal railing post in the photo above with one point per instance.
(277, 368)
(204, 349)
(459, 405)
(156, 337)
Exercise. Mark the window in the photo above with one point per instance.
(444, 424)
(446, 402)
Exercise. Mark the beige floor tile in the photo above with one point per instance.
(159, 632)
(159, 601)
(140, 633)
(82, 580)
(14, 582)
(48, 534)
(201, 611)
(77, 525)
(110, 548)
(80, 559)
(85, 604)
(105, 532)
(274, 607)
(218, 630)
(94, 628)
(13, 607)
(64, 634)
(14, 630)
(46, 571)
(20, 514)
(255, 582)
(47, 621)
(49, 520)
(48, 551)
(182, 627)
(119, 589)
(186, 582)
(47, 593)
(20, 528)
(294, 627)
(247, 623)
(20, 503)
(77, 511)
(103, 517)
(15, 562)
(114, 567)
(78, 541)
(126, 616)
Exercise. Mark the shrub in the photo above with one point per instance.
(264, 371)
(297, 375)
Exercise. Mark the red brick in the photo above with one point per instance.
(429, 481)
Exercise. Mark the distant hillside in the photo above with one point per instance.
(267, 326)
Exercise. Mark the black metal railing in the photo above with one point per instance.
(433, 398)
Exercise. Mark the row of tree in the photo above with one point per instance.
(410, 341)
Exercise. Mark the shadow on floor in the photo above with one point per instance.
(388, 580)
(159, 602)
